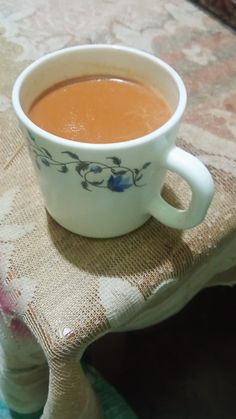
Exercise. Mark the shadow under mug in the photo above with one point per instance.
(107, 190)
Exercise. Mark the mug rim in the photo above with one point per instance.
(35, 129)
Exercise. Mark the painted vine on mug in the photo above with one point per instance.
(112, 175)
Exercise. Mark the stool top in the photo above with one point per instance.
(69, 289)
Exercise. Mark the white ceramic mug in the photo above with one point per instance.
(107, 190)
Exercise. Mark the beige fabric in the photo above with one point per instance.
(70, 290)
(172, 296)
(23, 371)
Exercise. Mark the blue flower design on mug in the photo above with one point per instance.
(118, 183)
(112, 175)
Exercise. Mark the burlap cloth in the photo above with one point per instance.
(70, 290)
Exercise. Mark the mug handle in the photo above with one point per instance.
(201, 183)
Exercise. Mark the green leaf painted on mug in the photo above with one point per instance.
(45, 162)
(72, 155)
(96, 183)
(85, 185)
(63, 169)
(46, 152)
(83, 165)
(146, 164)
(115, 160)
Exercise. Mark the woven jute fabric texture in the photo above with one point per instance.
(69, 290)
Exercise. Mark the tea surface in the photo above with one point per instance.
(100, 109)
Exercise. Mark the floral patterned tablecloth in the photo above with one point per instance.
(58, 291)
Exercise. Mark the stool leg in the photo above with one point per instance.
(70, 395)
(23, 367)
